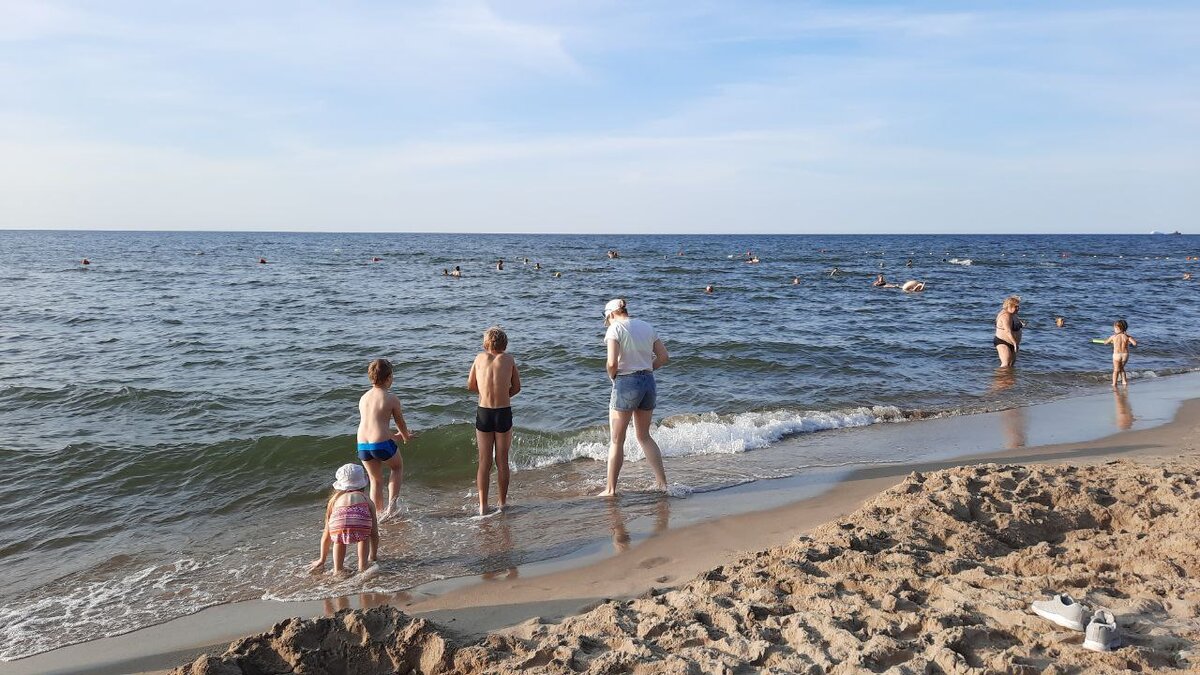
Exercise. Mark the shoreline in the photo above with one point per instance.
(718, 527)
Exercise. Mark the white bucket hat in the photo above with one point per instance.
(350, 477)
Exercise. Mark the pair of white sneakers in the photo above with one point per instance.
(1099, 628)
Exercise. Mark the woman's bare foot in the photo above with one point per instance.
(608, 493)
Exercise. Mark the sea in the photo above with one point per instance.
(172, 413)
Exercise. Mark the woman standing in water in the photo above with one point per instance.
(634, 353)
(1008, 331)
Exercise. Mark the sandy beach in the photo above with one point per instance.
(903, 567)
(934, 574)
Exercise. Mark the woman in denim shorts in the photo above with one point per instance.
(634, 353)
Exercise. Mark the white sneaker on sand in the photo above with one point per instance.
(1062, 610)
(1102, 634)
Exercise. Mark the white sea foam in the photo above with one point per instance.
(92, 608)
(711, 434)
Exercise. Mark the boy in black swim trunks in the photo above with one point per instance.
(494, 376)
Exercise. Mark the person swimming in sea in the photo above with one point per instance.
(834, 272)
(500, 265)
(795, 281)
(880, 281)
(558, 275)
(913, 286)
(708, 289)
(537, 266)
(456, 272)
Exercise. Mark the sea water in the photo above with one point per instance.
(171, 415)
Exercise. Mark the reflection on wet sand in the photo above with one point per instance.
(1014, 427)
(617, 521)
(1124, 410)
(1004, 378)
(496, 541)
(366, 601)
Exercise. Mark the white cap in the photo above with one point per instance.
(350, 477)
(613, 305)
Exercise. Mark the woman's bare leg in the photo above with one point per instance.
(1006, 355)
(618, 422)
(641, 426)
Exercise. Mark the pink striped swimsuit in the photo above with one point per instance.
(350, 524)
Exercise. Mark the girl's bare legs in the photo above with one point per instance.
(364, 555)
(339, 556)
(483, 476)
(1116, 373)
(641, 426)
(503, 443)
(618, 422)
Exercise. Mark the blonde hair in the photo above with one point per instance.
(1012, 301)
(379, 371)
(495, 339)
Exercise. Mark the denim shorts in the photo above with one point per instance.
(635, 391)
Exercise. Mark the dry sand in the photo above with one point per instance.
(933, 575)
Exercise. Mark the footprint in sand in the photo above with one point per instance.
(650, 563)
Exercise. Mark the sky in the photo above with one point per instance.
(600, 116)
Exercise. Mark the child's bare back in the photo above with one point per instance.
(377, 409)
(1121, 342)
(493, 378)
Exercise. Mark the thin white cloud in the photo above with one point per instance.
(234, 116)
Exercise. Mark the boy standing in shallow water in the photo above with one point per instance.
(494, 376)
(1121, 343)
(376, 442)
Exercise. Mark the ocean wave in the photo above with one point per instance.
(709, 434)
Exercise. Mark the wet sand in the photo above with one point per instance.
(670, 558)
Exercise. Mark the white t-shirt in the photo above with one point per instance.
(636, 341)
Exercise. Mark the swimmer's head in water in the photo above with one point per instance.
(379, 372)
(1121, 325)
(495, 339)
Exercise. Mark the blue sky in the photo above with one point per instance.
(602, 116)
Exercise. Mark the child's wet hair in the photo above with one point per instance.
(379, 371)
(495, 339)
(1122, 325)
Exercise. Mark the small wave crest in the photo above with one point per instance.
(711, 434)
